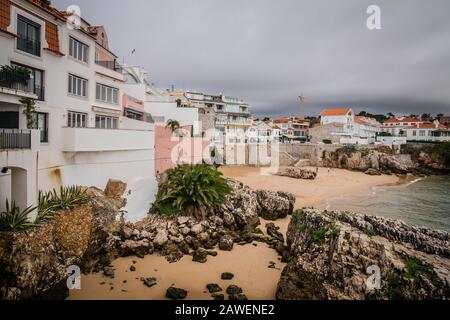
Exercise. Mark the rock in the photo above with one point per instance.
(139, 248)
(227, 276)
(176, 239)
(115, 189)
(176, 293)
(228, 219)
(149, 282)
(219, 296)
(132, 268)
(161, 238)
(373, 172)
(275, 205)
(127, 232)
(234, 289)
(297, 173)
(272, 230)
(200, 255)
(172, 252)
(183, 220)
(237, 297)
(330, 253)
(108, 271)
(226, 243)
(203, 237)
(213, 288)
(185, 231)
(197, 229)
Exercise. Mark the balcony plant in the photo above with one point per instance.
(192, 190)
(29, 111)
(14, 75)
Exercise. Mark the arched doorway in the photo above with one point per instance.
(18, 186)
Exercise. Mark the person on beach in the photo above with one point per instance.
(317, 170)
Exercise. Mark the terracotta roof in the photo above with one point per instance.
(427, 125)
(366, 120)
(402, 120)
(49, 9)
(335, 112)
(52, 37)
(5, 14)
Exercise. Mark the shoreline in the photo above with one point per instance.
(249, 263)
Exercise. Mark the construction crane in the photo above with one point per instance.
(302, 99)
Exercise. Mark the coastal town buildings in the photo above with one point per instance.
(427, 132)
(292, 129)
(396, 126)
(80, 136)
(342, 126)
(263, 132)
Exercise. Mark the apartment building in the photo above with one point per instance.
(292, 129)
(80, 136)
(427, 132)
(263, 132)
(342, 126)
(396, 126)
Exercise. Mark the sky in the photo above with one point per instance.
(268, 52)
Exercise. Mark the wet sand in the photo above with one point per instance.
(248, 263)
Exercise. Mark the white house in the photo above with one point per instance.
(84, 137)
(262, 132)
(396, 126)
(427, 131)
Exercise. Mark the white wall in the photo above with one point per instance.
(169, 110)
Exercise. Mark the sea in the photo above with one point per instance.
(421, 202)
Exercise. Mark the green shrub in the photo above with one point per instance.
(347, 236)
(318, 236)
(348, 150)
(191, 189)
(327, 141)
(14, 219)
(414, 267)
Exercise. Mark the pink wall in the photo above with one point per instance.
(169, 148)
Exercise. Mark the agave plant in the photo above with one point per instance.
(192, 189)
(14, 219)
(67, 198)
(46, 208)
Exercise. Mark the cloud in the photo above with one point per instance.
(268, 52)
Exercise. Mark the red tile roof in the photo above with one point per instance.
(335, 112)
(402, 120)
(5, 14)
(427, 125)
(52, 37)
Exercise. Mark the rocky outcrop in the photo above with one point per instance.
(363, 160)
(234, 222)
(337, 255)
(297, 173)
(34, 264)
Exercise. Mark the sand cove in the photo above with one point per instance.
(249, 263)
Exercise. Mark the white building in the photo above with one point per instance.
(159, 104)
(353, 129)
(84, 137)
(427, 131)
(292, 129)
(396, 126)
(263, 132)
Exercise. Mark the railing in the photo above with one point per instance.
(112, 65)
(15, 139)
(9, 82)
(28, 45)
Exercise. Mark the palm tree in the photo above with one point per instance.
(174, 125)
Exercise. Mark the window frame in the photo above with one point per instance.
(37, 45)
(106, 122)
(103, 92)
(74, 50)
(77, 84)
(76, 119)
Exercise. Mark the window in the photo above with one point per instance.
(77, 86)
(28, 36)
(106, 122)
(97, 57)
(78, 50)
(106, 94)
(414, 133)
(134, 114)
(76, 119)
(36, 82)
(42, 125)
(422, 133)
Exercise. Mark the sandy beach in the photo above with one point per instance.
(248, 263)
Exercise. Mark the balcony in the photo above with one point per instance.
(24, 90)
(93, 140)
(230, 122)
(18, 139)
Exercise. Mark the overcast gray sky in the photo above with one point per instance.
(270, 51)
